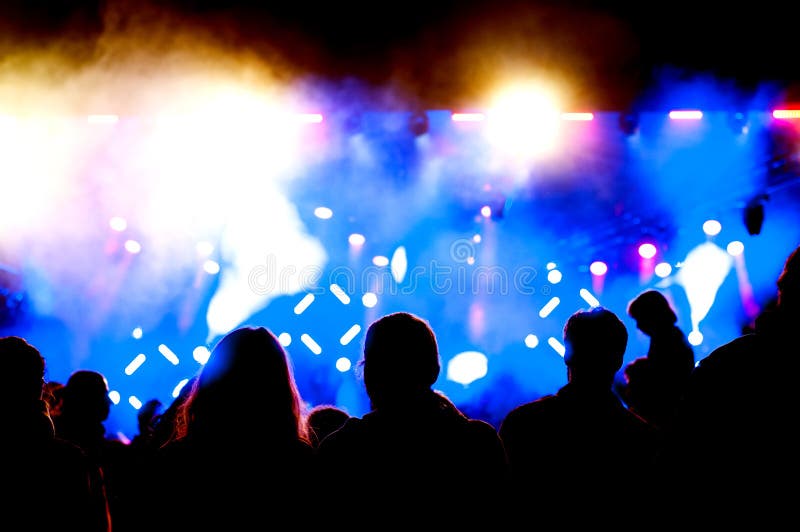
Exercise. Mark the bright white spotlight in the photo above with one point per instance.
(133, 246)
(735, 248)
(476, 238)
(695, 337)
(323, 213)
(467, 367)
(311, 344)
(285, 339)
(114, 396)
(589, 298)
(201, 354)
(399, 264)
(117, 223)
(703, 271)
(549, 307)
(380, 261)
(531, 341)
(176, 391)
(350, 334)
(525, 121)
(169, 354)
(712, 227)
(135, 402)
(557, 346)
(134, 364)
(356, 239)
(369, 300)
(598, 268)
(647, 251)
(343, 364)
(663, 269)
(211, 267)
(554, 276)
(551, 265)
(304, 304)
(486, 211)
(137, 333)
(340, 294)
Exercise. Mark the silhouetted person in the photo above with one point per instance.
(580, 453)
(165, 425)
(146, 420)
(414, 459)
(241, 459)
(85, 406)
(324, 419)
(736, 440)
(49, 483)
(654, 383)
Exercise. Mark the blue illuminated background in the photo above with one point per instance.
(157, 236)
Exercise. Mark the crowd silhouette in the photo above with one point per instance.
(705, 444)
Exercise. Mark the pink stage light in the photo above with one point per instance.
(647, 251)
(786, 114)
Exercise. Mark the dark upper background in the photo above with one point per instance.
(445, 53)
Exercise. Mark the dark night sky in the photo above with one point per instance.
(610, 51)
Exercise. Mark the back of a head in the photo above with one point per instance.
(401, 357)
(595, 342)
(652, 310)
(247, 377)
(324, 419)
(789, 284)
(24, 367)
(85, 396)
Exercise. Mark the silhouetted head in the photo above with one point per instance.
(595, 342)
(652, 312)
(324, 419)
(247, 380)
(23, 367)
(85, 396)
(789, 284)
(401, 358)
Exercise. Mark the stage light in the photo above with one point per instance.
(204, 248)
(211, 267)
(647, 251)
(285, 339)
(137, 333)
(712, 227)
(549, 307)
(418, 123)
(486, 211)
(201, 354)
(369, 300)
(598, 268)
(133, 246)
(786, 114)
(118, 224)
(663, 269)
(686, 115)
(114, 396)
(176, 391)
(380, 261)
(467, 367)
(589, 298)
(343, 364)
(695, 338)
(356, 239)
(531, 341)
(554, 276)
(468, 117)
(735, 248)
(323, 213)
